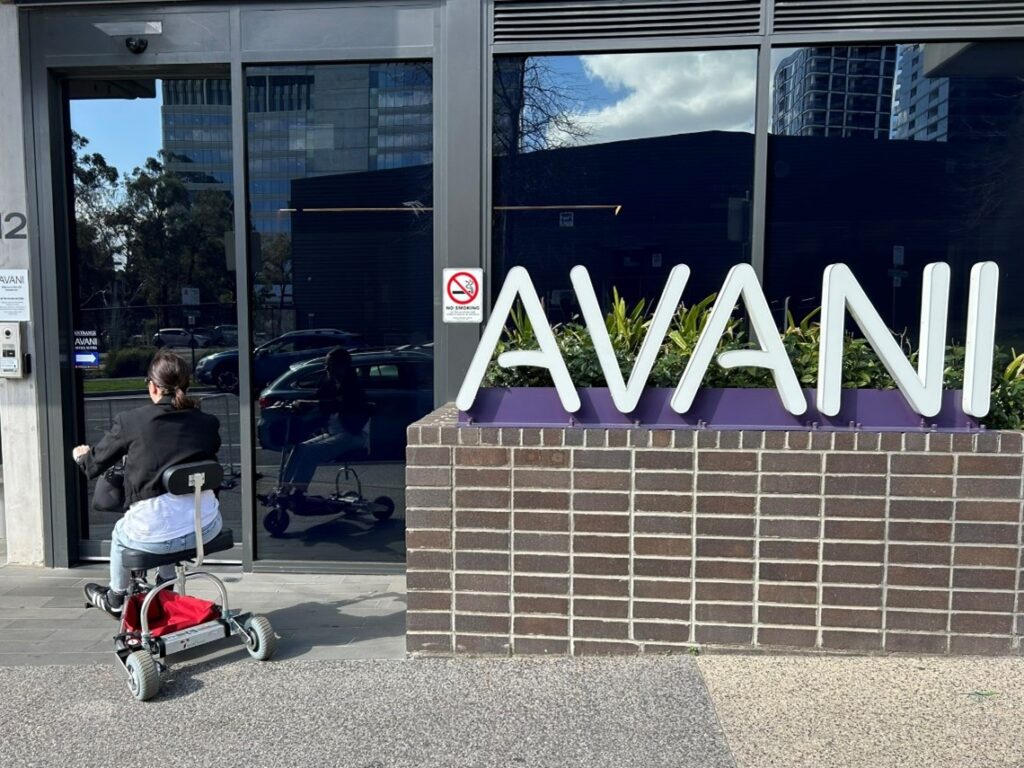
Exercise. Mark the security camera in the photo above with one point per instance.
(136, 44)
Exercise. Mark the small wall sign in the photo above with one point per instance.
(87, 349)
(14, 302)
(463, 297)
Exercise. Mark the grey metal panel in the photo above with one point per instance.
(762, 122)
(594, 45)
(55, 404)
(316, 33)
(246, 437)
(894, 34)
(459, 157)
(58, 540)
(339, 55)
(810, 15)
(522, 20)
(73, 39)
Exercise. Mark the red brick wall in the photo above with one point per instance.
(581, 541)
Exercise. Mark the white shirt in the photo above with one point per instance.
(168, 516)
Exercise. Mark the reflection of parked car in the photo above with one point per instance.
(398, 382)
(179, 337)
(272, 359)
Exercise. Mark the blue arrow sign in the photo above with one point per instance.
(87, 359)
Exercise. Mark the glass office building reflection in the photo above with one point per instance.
(935, 183)
(341, 213)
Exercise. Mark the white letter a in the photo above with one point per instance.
(518, 283)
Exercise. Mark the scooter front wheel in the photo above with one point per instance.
(276, 521)
(143, 675)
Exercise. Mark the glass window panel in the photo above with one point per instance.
(627, 163)
(936, 181)
(347, 251)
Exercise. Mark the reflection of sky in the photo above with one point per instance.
(622, 96)
(124, 131)
(591, 91)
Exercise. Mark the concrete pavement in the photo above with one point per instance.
(342, 694)
(870, 712)
(318, 616)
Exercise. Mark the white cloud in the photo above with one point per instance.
(671, 93)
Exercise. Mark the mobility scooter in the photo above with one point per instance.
(158, 621)
(284, 502)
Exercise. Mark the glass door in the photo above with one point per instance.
(340, 161)
(152, 259)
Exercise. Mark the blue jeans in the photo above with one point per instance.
(119, 541)
(307, 456)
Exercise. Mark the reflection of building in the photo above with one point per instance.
(509, 99)
(302, 121)
(366, 265)
(589, 205)
(196, 118)
(835, 91)
(662, 223)
(976, 103)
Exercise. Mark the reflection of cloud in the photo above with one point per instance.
(671, 93)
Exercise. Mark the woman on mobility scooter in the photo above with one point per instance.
(342, 402)
(169, 431)
(339, 420)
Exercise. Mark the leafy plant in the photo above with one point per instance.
(128, 361)
(627, 327)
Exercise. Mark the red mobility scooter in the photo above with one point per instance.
(158, 621)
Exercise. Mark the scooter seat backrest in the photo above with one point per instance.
(176, 478)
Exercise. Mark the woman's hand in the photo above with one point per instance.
(79, 451)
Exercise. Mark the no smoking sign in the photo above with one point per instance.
(463, 296)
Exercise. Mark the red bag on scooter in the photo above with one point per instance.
(169, 612)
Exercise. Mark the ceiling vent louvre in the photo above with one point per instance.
(814, 15)
(531, 20)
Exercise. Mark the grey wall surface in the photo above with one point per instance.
(19, 423)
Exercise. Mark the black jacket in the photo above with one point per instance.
(153, 437)
(346, 399)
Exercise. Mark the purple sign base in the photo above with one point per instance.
(761, 409)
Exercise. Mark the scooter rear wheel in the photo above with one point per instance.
(385, 507)
(263, 641)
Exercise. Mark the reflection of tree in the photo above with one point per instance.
(173, 238)
(275, 276)
(142, 237)
(96, 245)
(535, 106)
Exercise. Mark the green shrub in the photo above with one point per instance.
(627, 327)
(128, 361)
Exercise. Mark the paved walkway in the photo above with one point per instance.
(325, 703)
(43, 619)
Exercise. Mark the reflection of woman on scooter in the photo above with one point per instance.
(342, 401)
(168, 431)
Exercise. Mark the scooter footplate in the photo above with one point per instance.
(193, 636)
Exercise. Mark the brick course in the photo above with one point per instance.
(625, 541)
